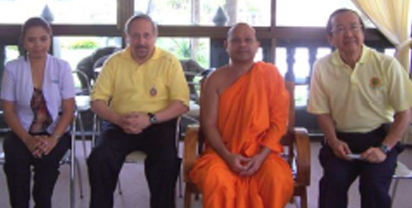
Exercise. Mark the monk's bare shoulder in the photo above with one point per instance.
(217, 78)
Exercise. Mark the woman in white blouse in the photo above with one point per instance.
(37, 96)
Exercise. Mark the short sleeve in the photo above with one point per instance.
(67, 88)
(399, 87)
(8, 85)
(103, 88)
(178, 87)
(318, 102)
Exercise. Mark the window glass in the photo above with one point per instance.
(323, 51)
(186, 12)
(12, 52)
(77, 49)
(313, 13)
(390, 51)
(301, 95)
(302, 65)
(59, 11)
(197, 49)
(259, 55)
(280, 60)
(301, 70)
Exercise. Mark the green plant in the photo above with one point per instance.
(12, 48)
(183, 48)
(83, 44)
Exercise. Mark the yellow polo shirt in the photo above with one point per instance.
(361, 99)
(149, 87)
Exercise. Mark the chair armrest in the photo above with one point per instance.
(302, 156)
(190, 149)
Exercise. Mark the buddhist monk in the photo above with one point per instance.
(244, 115)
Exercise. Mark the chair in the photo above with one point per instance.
(191, 70)
(297, 153)
(71, 159)
(82, 99)
(401, 172)
(138, 157)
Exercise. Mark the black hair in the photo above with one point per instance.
(33, 22)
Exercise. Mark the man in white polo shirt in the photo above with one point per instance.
(356, 92)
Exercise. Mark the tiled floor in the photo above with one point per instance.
(135, 192)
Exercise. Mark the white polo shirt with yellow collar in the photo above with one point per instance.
(361, 99)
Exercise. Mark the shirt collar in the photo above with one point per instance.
(336, 59)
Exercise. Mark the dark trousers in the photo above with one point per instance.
(161, 165)
(18, 160)
(374, 179)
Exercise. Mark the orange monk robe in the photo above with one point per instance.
(252, 112)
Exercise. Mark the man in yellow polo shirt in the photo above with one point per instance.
(140, 92)
(355, 93)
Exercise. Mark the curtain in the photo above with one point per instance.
(393, 19)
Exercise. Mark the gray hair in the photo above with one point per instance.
(139, 17)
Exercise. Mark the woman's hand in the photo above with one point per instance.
(47, 144)
(33, 143)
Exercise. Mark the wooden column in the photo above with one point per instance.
(218, 54)
(125, 9)
(2, 57)
(290, 60)
(267, 51)
(313, 51)
(273, 40)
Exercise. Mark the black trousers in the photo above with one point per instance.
(161, 165)
(17, 169)
(374, 179)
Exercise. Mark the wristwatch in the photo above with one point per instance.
(385, 149)
(152, 118)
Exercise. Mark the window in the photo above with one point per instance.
(12, 52)
(183, 12)
(197, 49)
(314, 13)
(280, 60)
(323, 52)
(301, 70)
(61, 12)
(75, 49)
(390, 51)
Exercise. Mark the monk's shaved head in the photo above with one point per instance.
(241, 43)
(239, 26)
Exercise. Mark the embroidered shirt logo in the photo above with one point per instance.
(153, 91)
(55, 81)
(375, 82)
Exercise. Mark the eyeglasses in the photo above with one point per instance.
(343, 30)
